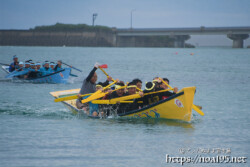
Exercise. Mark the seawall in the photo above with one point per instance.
(36, 38)
(80, 38)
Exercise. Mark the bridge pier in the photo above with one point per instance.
(179, 40)
(238, 39)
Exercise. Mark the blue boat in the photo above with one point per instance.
(56, 77)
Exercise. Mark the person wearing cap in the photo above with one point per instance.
(131, 91)
(24, 70)
(32, 66)
(131, 87)
(52, 65)
(119, 92)
(13, 66)
(58, 66)
(88, 85)
(46, 69)
(38, 66)
(26, 66)
(20, 67)
(45, 62)
(33, 71)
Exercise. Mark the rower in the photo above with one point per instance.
(167, 94)
(153, 98)
(131, 91)
(138, 83)
(38, 66)
(157, 82)
(33, 71)
(52, 65)
(32, 66)
(88, 86)
(58, 66)
(46, 69)
(26, 66)
(13, 66)
(20, 67)
(119, 92)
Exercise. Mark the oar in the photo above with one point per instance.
(101, 68)
(129, 97)
(4, 64)
(194, 107)
(76, 97)
(105, 102)
(71, 67)
(70, 97)
(197, 110)
(98, 94)
(73, 75)
(16, 73)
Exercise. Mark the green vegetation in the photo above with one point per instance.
(72, 27)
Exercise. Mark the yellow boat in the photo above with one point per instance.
(177, 107)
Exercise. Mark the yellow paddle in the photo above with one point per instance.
(98, 94)
(70, 97)
(105, 73)
(197, 110)
(124, 98)
(106, 102)
(194, 107)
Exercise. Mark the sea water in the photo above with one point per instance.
(35, 131)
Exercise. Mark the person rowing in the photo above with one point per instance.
(20, 67)
(131, 91)
(13, 66)
(89, 86)
(58, 66)
(33, 71)
(52, 65)
(26, 66)
(119, 92)
(138, 83)
(46, 70)
(38, 66)
(153, 98)
(163, 86)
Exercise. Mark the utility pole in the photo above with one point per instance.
(131, 17)
(94, 17)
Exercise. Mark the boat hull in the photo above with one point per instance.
(56, 77)
(177, 107)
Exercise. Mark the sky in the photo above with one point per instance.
(25, 14)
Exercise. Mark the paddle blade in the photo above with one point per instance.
(70, 97)
(94, 96)
(16, 73)
(103, 66)
(66, 98)
(197, 110)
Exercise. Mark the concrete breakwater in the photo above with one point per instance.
(36, 38)
(80, 38)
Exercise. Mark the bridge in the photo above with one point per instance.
(180, 35)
